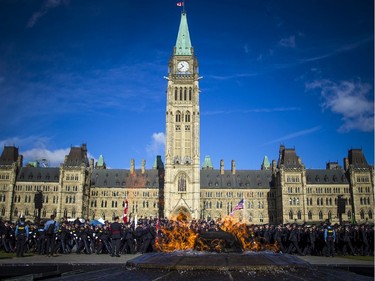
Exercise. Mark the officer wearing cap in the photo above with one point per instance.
(22, 234)
(116, 230)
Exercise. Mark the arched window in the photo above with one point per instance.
(65, 213)
(175, 94)
(290, 214)
(329, 215)
(187, 116)
(309, 215)
(185, 93)
(180, 93)
(290, 201)
(320, 215)
(370, 214)
(299, 215)
(190, 90)
(178, 116)
(2, 211)
(182, 183)
(349, 214)
(362, 215)
(317, 202)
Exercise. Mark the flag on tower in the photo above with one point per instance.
(180, 4)
(239, 206)
(125, 215)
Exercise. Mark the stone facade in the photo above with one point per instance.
(284, 192)
(279, 192)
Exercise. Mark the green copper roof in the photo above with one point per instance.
(207, 163)
(183, 44)
(100, 162)
(266, 162)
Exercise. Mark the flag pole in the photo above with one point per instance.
(243, 210)
(183, 6)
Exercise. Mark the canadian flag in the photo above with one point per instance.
(180, 4)
(125, 215)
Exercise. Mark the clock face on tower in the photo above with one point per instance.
(183, 66)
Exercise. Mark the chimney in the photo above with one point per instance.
(346, 164)
(299, 160)
(143, 166)
(221, 167)
(274, 166)
(132, 166)
(233, 168)
(20, 161)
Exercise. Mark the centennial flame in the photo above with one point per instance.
(179, 234)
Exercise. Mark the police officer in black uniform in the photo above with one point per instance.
(22, 234)
(116, 229)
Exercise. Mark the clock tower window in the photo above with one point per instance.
(175, 94)
(185, 90)
(190, 94)
(178, 117)
(180, 93)
(187, 117)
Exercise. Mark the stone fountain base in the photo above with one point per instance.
(214, 261)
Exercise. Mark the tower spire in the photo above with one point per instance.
(183, 43)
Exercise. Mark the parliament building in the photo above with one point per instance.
(281, 191)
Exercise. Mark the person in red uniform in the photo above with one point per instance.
(116, 229)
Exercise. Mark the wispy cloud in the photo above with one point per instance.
(295, 135)
(349, 99)
(157, 145)
(45, 7)
(254, 110)
(34, 141)
(232, 76)
(53, 157)
(288, 42)
(35, 148)
(339, 50)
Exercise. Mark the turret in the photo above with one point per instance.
(233, 167)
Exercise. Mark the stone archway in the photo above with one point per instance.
(181, 213)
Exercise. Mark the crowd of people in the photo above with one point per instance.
(52, 237)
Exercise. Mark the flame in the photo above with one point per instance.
(181, 235)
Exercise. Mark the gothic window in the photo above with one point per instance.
(299, 215)
(362, 215)
(180, 93)
(175, 94)
(290, 214)
(65, 213)
(349, 214)
(187, 116)
(320, 215)
(182, 183)
(178, 116)
(329, 215)
(309, 215)
(185, 93)
(73, 213)
(2, 211)
(370, 214)
(190, 90)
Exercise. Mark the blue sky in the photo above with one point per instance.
(292, 72)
